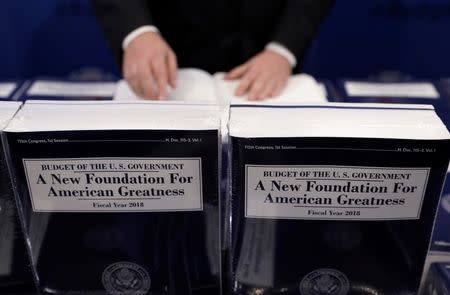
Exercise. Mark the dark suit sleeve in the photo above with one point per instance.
(118, 18)
(299, 22)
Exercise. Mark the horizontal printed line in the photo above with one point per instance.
(118, 199)
(84, 171)
(118, 140)
(332, 218)
(328, 107)
(115, 158)
(336, 207)
(342, 166)
(344, 149)
(340, 179)
(124, 103)
(122, 210)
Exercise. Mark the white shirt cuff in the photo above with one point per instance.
(283, 51)
(131, 36)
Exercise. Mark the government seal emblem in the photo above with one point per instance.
(123, 278)
(324, 281)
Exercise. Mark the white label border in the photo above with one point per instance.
(199, 159)
(337, 166)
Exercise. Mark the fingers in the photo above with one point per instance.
(172, 65)
(256, 85)
(265, 75)
(262, 88)
(237, 72)
(140, 79)
(130, 73)
(270, 89)
(267, 91)
(255, 82)
(152, 81)
(164, 71)
(244, 85)
(277, 89)
(259, 87)
(161, 74)
(134, 85)
(150, 66)
(148, 87)
(256, 90)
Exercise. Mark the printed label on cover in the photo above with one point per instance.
(334, 192)
(114, 184)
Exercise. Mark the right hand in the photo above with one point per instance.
(150, 66)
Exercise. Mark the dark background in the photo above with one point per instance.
(360, 39)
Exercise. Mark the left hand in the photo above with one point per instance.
(264, 75)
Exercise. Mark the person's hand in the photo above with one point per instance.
(150, 66)
(264, 75)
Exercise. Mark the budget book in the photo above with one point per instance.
(119, 198)
(52, 89)
(333, 199)
(198, 85)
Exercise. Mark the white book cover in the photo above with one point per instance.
(411, 90)
(71, 88)
(369, 120)
(43, 115)
(7, 88)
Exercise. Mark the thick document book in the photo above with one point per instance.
(438, 280)
(8, 88)
(52, 89)
(15, 270)
(119, 198)
(415, 92)
(198, 85)
(333, 199)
